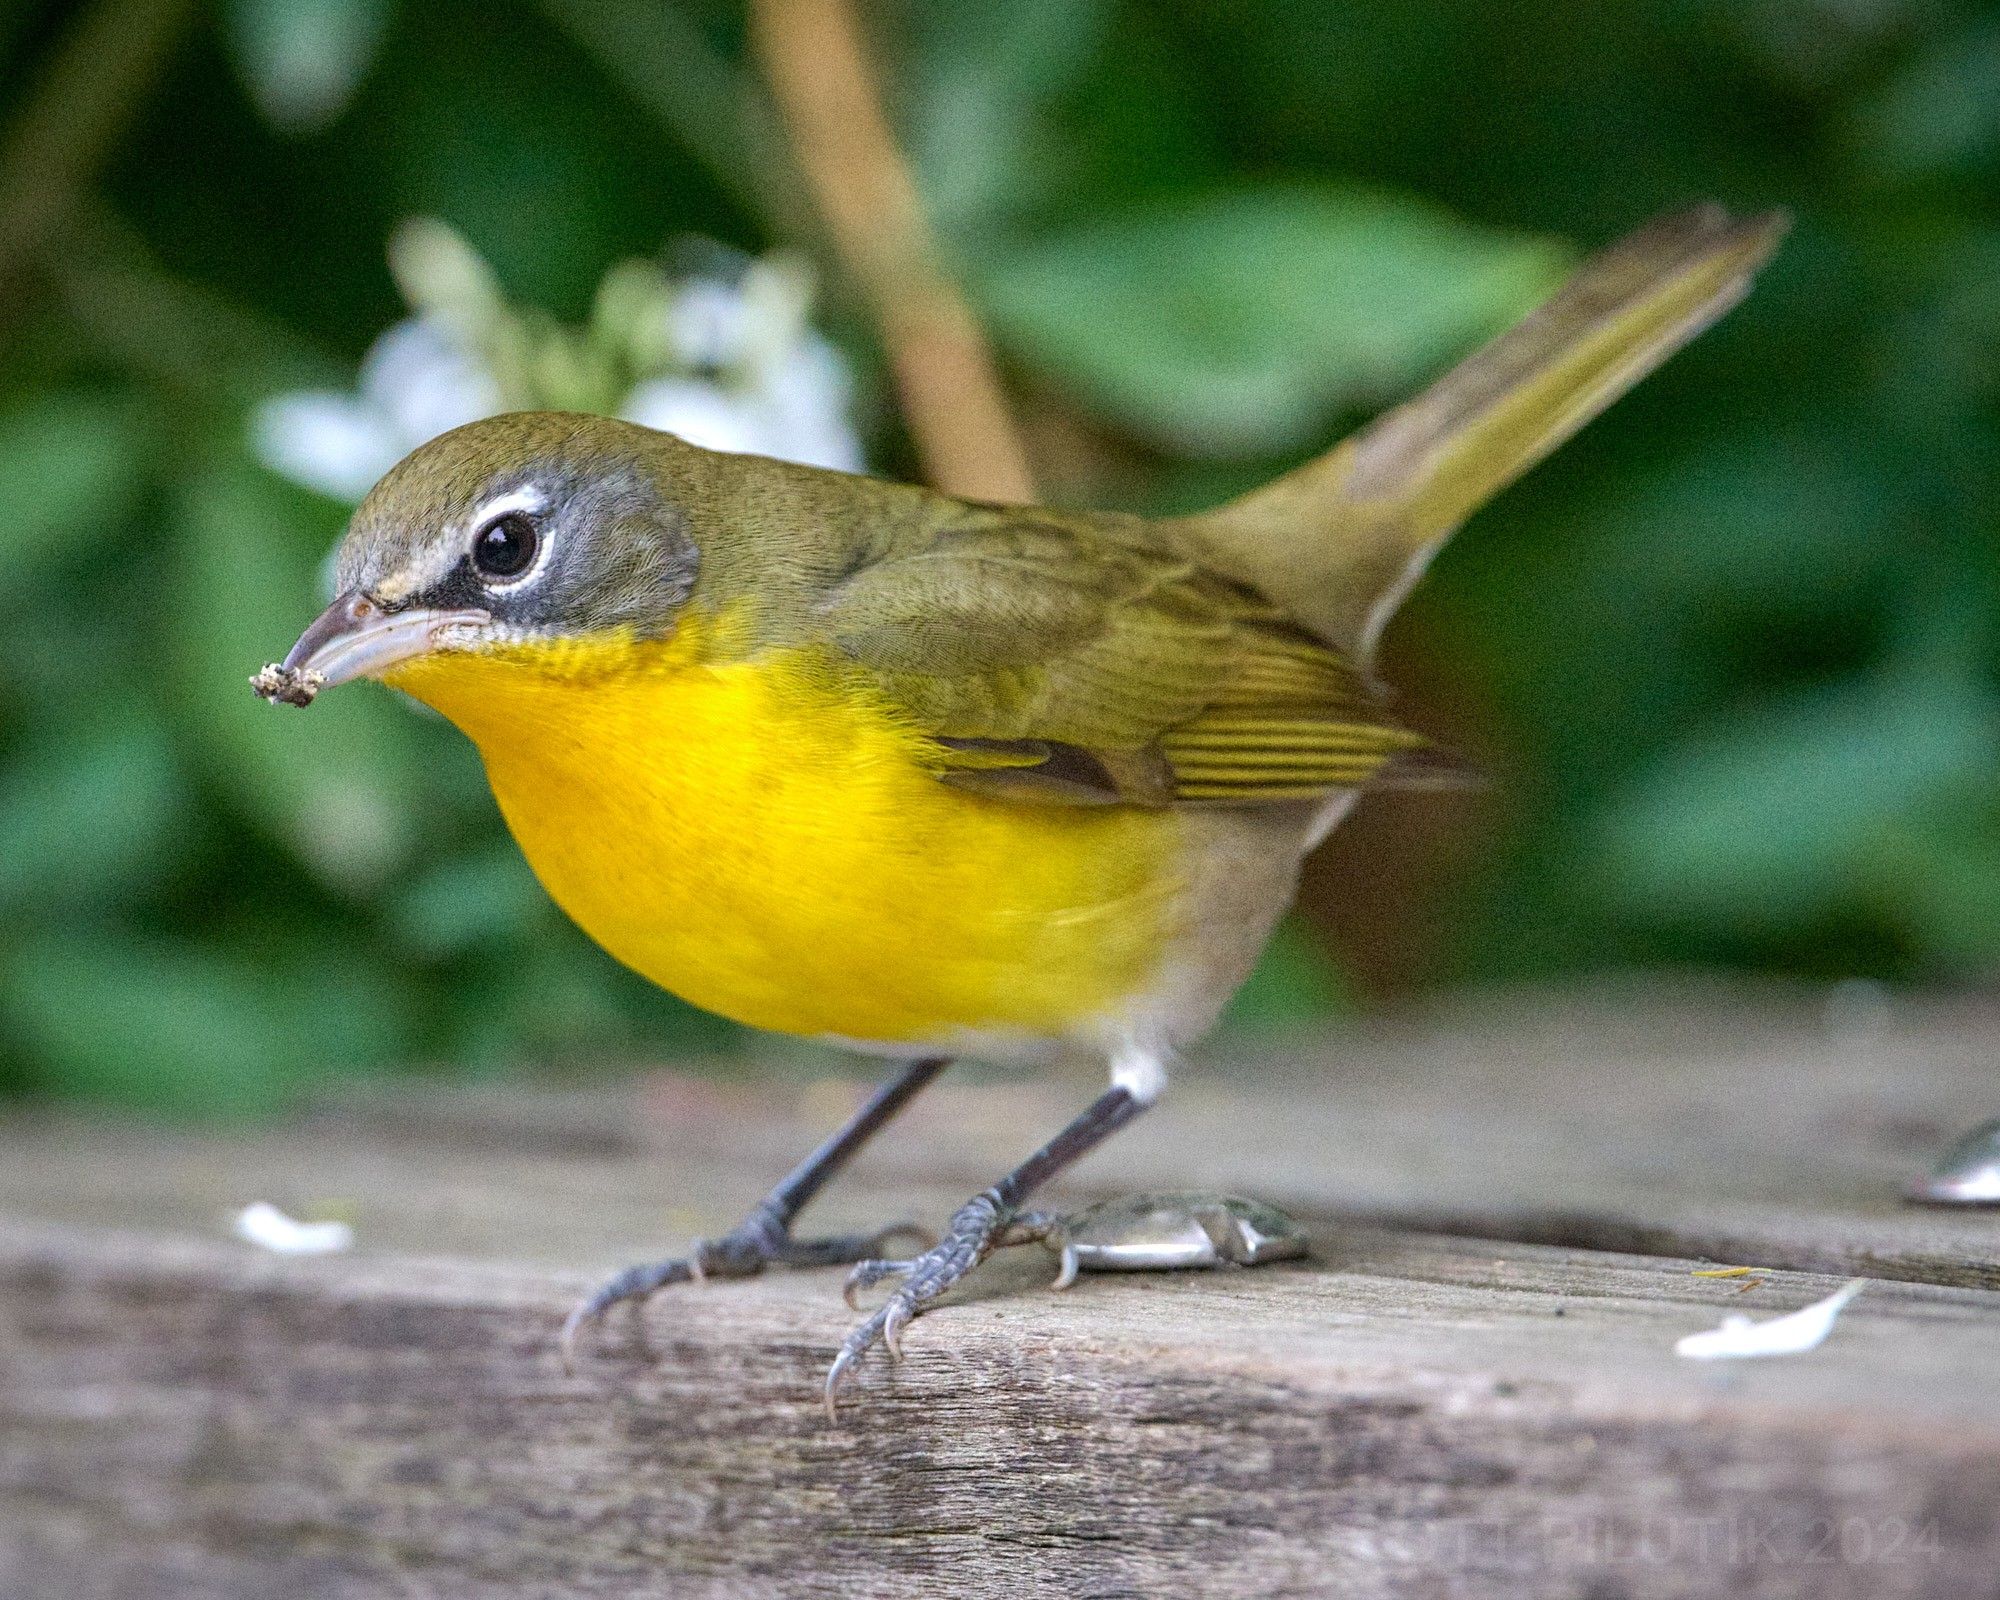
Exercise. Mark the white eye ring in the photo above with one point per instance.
(517, 503)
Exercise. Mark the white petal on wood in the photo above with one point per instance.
(265, 1226)
(1801, 1330)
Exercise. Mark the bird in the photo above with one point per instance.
(930, 778)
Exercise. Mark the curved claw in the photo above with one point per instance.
(896, 1316)
(866, 1274)
(968, 1240)
(572, 1329)
(852, 1349)
(1066, 1273)
(836, 1375)
(742, 1252)
(635, 1284)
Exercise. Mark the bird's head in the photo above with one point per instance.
(505, 538)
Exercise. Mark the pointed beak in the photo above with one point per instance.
(356, 638)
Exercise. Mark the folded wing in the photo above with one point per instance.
(1084, 660)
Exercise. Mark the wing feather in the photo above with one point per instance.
(1082, 660)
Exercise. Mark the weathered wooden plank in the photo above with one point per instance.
(1746, 1126)
(1411, 1417)
(1412, 1414)
(1775, 1134)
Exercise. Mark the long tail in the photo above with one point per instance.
(1340, 541)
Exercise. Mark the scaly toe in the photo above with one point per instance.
(866, 1274)
(633, 1285)
(967, 1242)
(852, 1348)
(758, 1241)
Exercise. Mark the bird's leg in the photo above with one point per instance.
(977, 1228)
(765, 1235)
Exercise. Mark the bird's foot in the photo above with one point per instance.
(762, 1239)
(976, 1230)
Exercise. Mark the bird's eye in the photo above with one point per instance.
(505, 547)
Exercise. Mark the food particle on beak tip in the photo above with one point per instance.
(285, 685)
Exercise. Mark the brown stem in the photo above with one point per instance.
(814, 59)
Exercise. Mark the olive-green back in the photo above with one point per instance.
(1210, 660)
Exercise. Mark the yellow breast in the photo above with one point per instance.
(763, 839)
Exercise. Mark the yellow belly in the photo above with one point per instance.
(764, 841)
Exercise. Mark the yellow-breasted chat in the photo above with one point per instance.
(862, 762)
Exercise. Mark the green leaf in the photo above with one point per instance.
(1936, 876)
(1784, 521)
(90, 816)
(70, 465)
(335, 784)
(979, 80)
(302, 60)
(1770, 820)
(1295, 985)
(469, 901)
(1940, 114)
(663, 58)
(191, 1029)
(557, 998)
(1243, 323)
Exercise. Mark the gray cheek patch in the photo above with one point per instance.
(618, 558)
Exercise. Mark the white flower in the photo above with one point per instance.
(806, 399)
(426, 381)
(768, 384)
(330, 442)
(415, 384)
(699, 412)
(728, 365)
(708, 325)
(794, 408)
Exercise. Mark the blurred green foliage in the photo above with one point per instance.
(1734, 652)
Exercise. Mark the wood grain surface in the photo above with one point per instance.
(1471, 1390)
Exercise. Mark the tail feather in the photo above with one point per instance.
(1429, 766)
(1340, 541)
